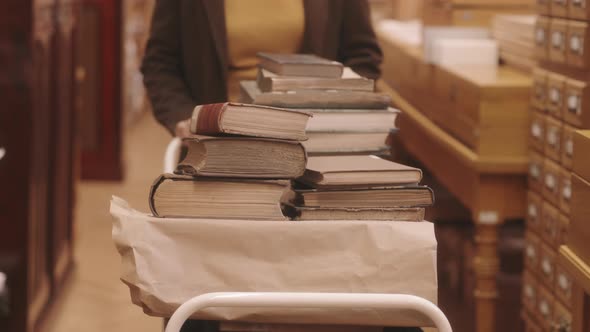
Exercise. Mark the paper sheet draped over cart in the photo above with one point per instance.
(165, 262)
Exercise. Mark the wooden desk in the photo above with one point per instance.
(490, 182)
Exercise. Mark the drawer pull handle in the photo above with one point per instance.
(552, 137)
(554, 95)
(563, 282)
(547, 268)
(573, 104)
(557, 39)
(544, 308)
(533, 210)
(529, 291)
(535, 171)
(537, 130)
(569, 147)
(567, 191)
(550, 181)
(540, 36)
(531, 252)
(576, 44)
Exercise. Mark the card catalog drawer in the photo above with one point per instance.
(550, 224)
(529, 291)
(535, 176)
(563, 285)
(578, 9)
(557, 44)
(563, 229)
(577, 106)
(534, 211)
(542, 36)
(567, 146)
(553, 134)
(547, 266)
(565, 194)
(558, 8)
(562, 318)
(545, 308)
(537, 131)
(532, 251)
(555, 94)
(539, 95)
(551, 177)
(578, 45)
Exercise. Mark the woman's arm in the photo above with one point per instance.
(358, 44)
(161, 67)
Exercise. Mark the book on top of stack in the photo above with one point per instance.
(349, 116)
(359, 188)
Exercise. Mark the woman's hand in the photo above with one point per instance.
(182, 129)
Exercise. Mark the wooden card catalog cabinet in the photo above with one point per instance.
(542, 37)
(581, 157)
(539, 96)
(566, 191)
(578, 9)
(551, 178)
(564, 224)
(555, 88)
(558, 35)
(550, 224)
(535, 175)
(537, 132)
(578, 45)
(534, 210)
(553, 136)
(577, 106)
(559, 8)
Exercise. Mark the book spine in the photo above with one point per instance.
(153, 190)
(206, 119)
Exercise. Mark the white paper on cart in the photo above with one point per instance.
(167, 261)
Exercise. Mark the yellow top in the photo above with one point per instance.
(253, 26)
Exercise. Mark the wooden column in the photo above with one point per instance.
(486, 266)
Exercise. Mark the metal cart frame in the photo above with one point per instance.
(297, 300)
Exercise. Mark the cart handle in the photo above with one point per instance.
(309, 300)
(172, 154)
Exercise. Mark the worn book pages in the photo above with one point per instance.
(167, 261)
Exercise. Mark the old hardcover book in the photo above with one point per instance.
(269, 81)
(251, 94)
(300, 65)
(217, 198)
(357, 171)
(249, 120)
(352, 120)
(346, 142)
(242, 157)
(381, 197)
(397, 214)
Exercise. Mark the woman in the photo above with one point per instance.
(198, 50)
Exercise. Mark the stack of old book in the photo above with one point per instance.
(349, 116)
(360, 188)
(237, 166)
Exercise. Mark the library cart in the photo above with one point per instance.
(298, 300)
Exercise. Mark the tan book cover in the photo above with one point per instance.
(269, 81)
(300, 65)
(354, 171)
